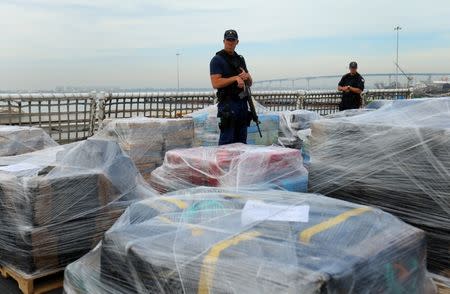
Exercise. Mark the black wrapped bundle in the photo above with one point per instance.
(396, 158)
(53, 213)
(219, 241)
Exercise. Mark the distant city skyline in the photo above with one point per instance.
(133, 44)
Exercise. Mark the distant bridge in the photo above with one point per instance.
(309, 78)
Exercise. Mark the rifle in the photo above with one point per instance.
(253, 109)
(237, 67)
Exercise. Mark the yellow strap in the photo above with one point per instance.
(165, 219)
(307, 234)
(196, 231)
(154, 204)
(232, 195)
(209, 262)
(181, 204)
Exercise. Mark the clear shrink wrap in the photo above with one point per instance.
(55, 204)
(15, 140)
(206, 127)
(233, 166)
(146, 140)
(396, 158)
(207, 240)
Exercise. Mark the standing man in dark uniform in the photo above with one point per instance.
(229, 75)
(352, 85)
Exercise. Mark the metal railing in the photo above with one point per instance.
(278, 100)
(65, 117)
(69, 117)
(169, 105)
(323, 102)
(386, 94)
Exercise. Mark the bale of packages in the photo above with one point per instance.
(234, 165)
(206, 127)
(54, 210)
(397, 158)
(349, 113)
(208, 240)
(15, 140)
(293, 121)
(146, 140)
(295, 131)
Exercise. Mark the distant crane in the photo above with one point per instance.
(409, 78)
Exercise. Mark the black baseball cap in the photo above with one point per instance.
(353, 64)
(230, 35)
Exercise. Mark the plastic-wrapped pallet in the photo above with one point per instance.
(146, 140)
(349, 113)
(221, 241)
(295, 131)
(234, 166)
(16, 140)
(396, 158)
(55, 208)
(206, 127)
(293, 121)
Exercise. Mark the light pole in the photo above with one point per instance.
(397, 28)
(178, 71)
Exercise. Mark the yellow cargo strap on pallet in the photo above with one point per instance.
(158, 206)
(210, 260)
(181, 204)
(307, 234)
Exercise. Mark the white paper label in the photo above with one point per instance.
(255, 211)
(23, 166)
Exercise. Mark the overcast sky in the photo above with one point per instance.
(133, 43)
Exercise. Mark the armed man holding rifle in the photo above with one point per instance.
(229, 75)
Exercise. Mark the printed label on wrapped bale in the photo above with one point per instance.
(255, 211)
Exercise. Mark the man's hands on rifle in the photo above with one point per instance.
(242, 78)
(244, 75)
(240, 82)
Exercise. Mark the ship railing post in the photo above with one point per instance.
(101, 104)
(93, 113)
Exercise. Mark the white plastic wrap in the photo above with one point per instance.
(349, 113)
(295, 131)
(222, 241)
(291, 122)
(146, 140)
(397, 158)
(16, 140)
(206, 125)
(55, 204)
(232, 166)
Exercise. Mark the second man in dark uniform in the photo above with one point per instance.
(352, 85)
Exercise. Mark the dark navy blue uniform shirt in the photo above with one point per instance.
(351, 100)
(238, 106)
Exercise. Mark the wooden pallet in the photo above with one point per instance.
(35, 284)
(442, 289)
(442, 283)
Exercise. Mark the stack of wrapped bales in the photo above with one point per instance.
(52, 211)
(235, 165)
(295, 131)
(206, 125)
(221, 241)
(16, 140)
(293, 121)
(397, 158)
(146, 140)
